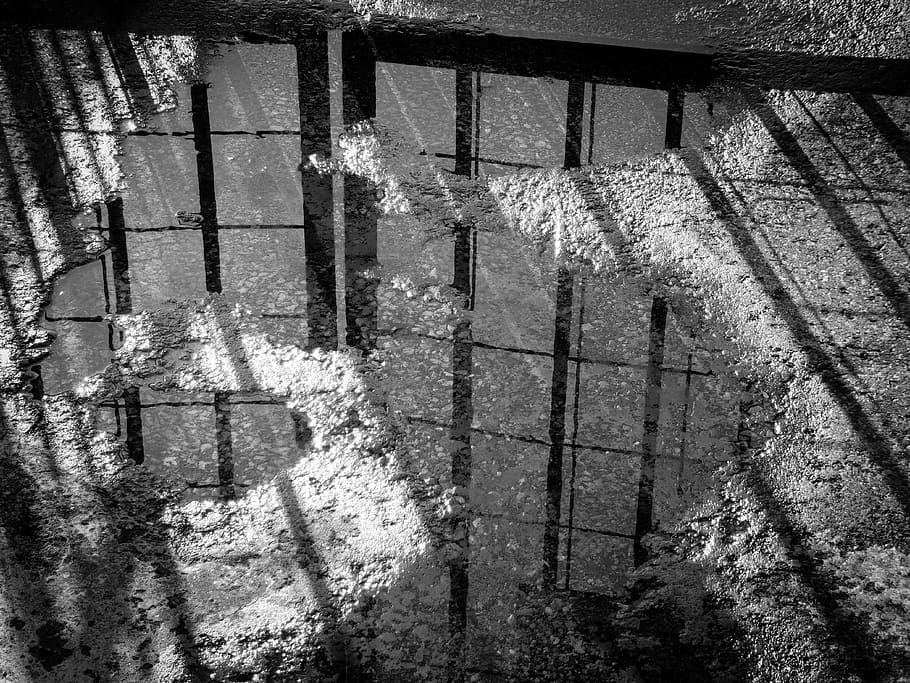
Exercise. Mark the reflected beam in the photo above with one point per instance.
(557, 429)
(224, 445)
(575, 107)
(316, 187)
(464, 149)
(565, 284)
(462, 389)
(460, 436)
(675, 105)
(645, 506)
(361, 212)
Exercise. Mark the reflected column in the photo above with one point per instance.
(675, 102)
(557, 432)
(565, 283)
(224, 445)
(462, 389)
(316, 187)
(657, 329)
(464, 103)
(361, 211)
(123, 298)
(205, 173)
(645, 506)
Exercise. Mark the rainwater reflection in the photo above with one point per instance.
(568, 414)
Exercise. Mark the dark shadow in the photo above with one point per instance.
(131, 532)
(462, 460)
(573, 444)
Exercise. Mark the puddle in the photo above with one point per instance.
(568, 412)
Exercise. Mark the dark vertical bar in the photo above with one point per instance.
(36, 383)
(135, 446)
(462, 260)
(645, 507)
(464, 126)
(575, 111)
(743, 433)
(224, 445)
(574, 442)
(460, 435)
(358, 65)
(478, 88)
(361, 211)
(591, 124)
(464, 119)
(303, 434)
(561, 346)
(473, 269)
(462, 388)
(123, 297)
(683, 432)
(557, 432)
(675, 100)
(205, 171)
(120, 262)
(318, 216)
(462, 405)
(105, 285)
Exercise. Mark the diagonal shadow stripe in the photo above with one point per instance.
(876, 443)
(334, 643)
(843, 223)
(889, 130)
(848, 632)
